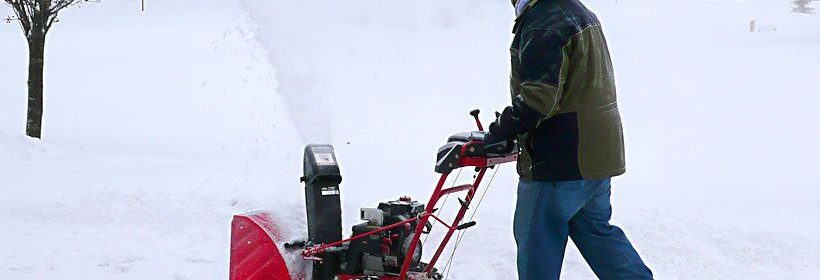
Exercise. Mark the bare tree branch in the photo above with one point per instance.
(21, 11)
(55, 9)
(61, 4)
(38, 16)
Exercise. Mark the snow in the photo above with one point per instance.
(159, 125)
(162, 124)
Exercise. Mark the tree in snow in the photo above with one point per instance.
(36, 18)
(802, 6)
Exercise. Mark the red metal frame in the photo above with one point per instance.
(313, 251)
(481, 163)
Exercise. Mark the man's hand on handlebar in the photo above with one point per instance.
(493, 145)
(501, 134)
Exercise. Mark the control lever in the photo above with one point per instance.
(475, 113)
(427, 228)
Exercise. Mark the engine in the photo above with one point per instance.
(384, 253)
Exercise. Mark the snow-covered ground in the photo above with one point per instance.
(160, 125)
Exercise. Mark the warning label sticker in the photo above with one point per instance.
(324, 159)
(331, 190)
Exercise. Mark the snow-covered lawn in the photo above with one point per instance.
(160, 125)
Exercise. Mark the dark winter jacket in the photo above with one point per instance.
(563, 91)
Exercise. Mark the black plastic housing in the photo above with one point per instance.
(324, 209)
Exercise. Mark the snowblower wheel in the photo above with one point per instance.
(416, 258)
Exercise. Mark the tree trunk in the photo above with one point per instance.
(36, 62)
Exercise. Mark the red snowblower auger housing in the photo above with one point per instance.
(386, 246)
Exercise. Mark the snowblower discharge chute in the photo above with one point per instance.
(387, 245)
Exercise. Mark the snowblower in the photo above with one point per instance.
(387, 245)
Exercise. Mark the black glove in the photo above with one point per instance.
(496, 146)
(501, 133)
(513, 121)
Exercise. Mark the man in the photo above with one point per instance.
(565, 117)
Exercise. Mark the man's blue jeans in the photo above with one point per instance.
(548, 212)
